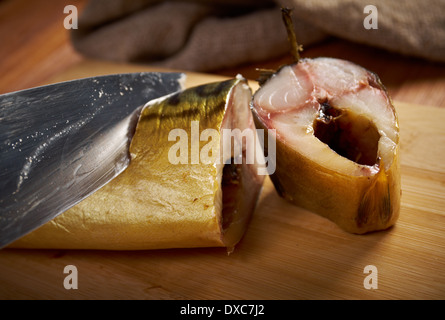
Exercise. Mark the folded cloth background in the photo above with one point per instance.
(209, 35)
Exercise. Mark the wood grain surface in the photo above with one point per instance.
(34, 44)
(286, 253)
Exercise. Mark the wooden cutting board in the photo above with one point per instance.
(287, 253)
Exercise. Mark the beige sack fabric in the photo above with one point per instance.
(209, 35)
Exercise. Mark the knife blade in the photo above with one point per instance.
(60, 143)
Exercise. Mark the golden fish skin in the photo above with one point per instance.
(156, 204)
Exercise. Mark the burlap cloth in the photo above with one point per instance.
(204, 35)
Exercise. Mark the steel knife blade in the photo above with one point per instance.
(60, 143)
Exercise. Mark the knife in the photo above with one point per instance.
(60, 143)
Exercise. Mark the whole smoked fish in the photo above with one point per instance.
(170, 196)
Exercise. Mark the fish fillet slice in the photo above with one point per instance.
(337, 142)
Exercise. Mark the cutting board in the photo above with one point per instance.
(286, 253)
